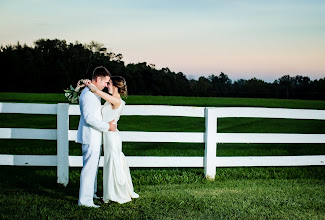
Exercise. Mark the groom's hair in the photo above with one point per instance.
(100, 71)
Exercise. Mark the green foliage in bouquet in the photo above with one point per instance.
(73, 94)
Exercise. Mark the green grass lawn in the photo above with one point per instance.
(172, 193)
(237, 193)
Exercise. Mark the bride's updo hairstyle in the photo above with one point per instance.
(120, 83)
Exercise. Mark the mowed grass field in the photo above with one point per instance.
(172, 193)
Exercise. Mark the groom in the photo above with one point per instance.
(89, 135)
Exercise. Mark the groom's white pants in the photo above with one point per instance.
(88, 176)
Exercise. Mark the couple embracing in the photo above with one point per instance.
(98, 126)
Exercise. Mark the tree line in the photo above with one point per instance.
(52, 65)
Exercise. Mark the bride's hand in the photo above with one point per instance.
(91, 86)
(81, 83)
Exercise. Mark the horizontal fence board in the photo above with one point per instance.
(269, 138)
(28, 133)
(163, 110)
(74, 109)
(147, 161)
(165, 161)
(32, 108)
(270, 161)
(139, 161)
(136, 136)
(28, 108)
(249, 112)
(153, 110)
(181, 137)
(28, 160)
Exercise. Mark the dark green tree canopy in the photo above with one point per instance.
(52, 65)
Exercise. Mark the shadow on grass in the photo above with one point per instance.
(40, 181)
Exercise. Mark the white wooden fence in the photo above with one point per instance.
(210, 137)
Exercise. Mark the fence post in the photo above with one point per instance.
(63, 144)
(210, 143)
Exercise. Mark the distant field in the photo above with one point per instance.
(175, 100)
(172, 193)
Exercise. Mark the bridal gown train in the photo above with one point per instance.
(117, 182)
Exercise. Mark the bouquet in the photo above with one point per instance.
(73, 94)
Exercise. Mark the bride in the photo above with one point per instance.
(117, 183)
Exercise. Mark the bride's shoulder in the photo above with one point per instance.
(123, 102)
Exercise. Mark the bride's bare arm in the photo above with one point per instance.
(111, 99)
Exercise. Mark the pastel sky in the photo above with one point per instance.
(243, 39)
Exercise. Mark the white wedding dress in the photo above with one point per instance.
(117, 182)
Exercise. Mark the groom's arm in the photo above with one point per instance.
(88, 106)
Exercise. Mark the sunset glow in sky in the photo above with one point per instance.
(243, 39)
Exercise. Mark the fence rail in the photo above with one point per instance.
(143, 161)
(210, 137)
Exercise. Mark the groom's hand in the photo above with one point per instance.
(112, 126)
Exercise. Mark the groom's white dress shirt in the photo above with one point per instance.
(89, 135)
